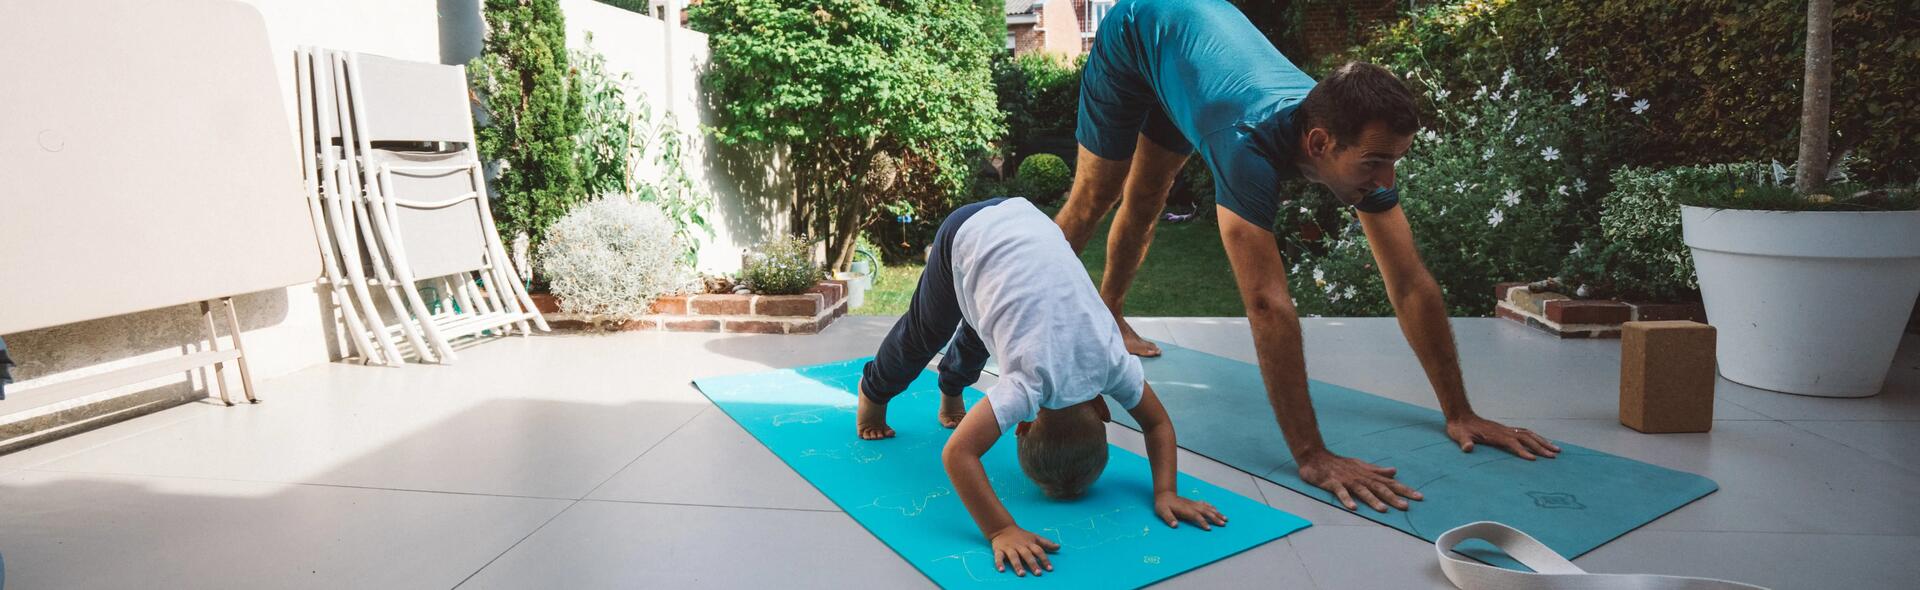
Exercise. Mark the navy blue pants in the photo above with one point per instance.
(933, 320)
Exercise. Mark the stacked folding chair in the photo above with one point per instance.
(399, 204)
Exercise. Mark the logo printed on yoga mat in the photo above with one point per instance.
(1556, 500)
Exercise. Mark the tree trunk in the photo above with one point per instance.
(846, 233)
(1816, 100)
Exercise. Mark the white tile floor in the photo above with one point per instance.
(590, 461)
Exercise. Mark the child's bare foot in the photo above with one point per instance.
(1136, 345)
(871, 421)
(952, 409)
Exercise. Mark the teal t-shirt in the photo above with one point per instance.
(1228, 91)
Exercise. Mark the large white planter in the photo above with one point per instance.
(1811, 303)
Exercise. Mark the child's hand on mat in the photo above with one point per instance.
(1519, 441)
(1348, 478)
(1023, 550)
(1173, 509)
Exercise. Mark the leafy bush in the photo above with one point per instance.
(611, 257)
(606, 129)
(1046, 175)
(1038, 95)
(835, 84)
(622, 148)
(1639, 253)
(1501, 191)
(783, 266)
(1727, 73)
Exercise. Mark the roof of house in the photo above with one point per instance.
(1022, 6)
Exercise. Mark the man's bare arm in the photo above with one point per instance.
(1422, 312)
(1262, 276)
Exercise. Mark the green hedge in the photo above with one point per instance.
(1723, 77)
(1046, 175)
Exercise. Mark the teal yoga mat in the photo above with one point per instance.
(1574, 503)
(898, 489)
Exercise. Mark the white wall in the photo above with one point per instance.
(746, 186)
(284, 330)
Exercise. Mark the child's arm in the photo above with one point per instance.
(1162, 451)
(1011, 544)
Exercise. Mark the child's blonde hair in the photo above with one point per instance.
(1065, 450)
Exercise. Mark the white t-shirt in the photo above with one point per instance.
(1021, 287)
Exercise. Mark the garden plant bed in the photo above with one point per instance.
(806, 313)
(1566, 317)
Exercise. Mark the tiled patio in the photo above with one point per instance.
(590, 461)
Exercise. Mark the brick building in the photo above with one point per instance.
(1061, 28)
(1035, 26)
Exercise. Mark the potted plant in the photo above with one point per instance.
(1809, 286)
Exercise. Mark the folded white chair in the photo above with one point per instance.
(429, 209)
(1550, 570)
(329, 199)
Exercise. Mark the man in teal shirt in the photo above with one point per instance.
(1167, 78)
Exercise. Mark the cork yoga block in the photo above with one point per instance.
(1667, 376)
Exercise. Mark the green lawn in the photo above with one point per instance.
(1185, 274)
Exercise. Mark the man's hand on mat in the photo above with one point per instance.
(1519, 441)
(1173, 509)
(1023, 550)
(1348, 478)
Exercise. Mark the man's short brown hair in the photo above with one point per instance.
(1355, 94)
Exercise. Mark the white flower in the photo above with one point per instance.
(1351, 292)
(1295, 270)
(1580, 99)
(1550, 154)
(1511, 198)
(1481, 93)
(1577, 249)
(1619, 94)
(1562, 189)
(1640, 106)
(1486, 154)
(1496, 95)
(1460, 186)
(1319, 275)
(1494, 217)
(1429, 135)
(1441, 94)
(1505, 78)
(1305, 210)
(1521, 140)
(1553, 51)
(1580, 185)
(1471, 119)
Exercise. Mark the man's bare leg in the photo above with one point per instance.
(1097, 184)
(1144, 198)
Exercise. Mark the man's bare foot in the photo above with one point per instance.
(1136, 345)
(871, 420)
(952, 409)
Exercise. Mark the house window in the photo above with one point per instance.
(1096, 11)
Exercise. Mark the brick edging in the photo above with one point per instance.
(805, 313)
(1566, 317)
